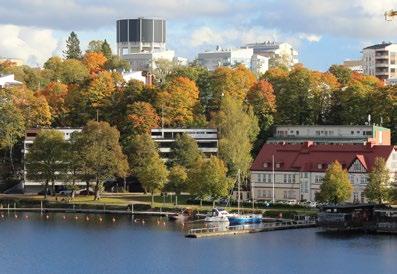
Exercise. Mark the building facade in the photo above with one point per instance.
(291, 134)
(273, 49)
(30, 186)
(232, 57)
(297, 170)
(206, 138)
(354, 65)
(381, 61)
(8, 81)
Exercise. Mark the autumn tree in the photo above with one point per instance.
(73, 50)
(336, 187)
(378, 187)
(208, 179)
(101, 155)
(146, 164)
(55, 94)
(238, 128)
(342, 73)
(117, 63)
(73, 72)
(176, 102)
(45, 160)
(94, 61)
(141, 118)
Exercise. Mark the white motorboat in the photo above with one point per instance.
(218, 215)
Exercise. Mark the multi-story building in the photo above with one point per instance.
(354, 65)
(206, 138)
(142, 42)
(8, 80)
(291, 134)
(381, 61)
(30, 186)
(297, 170)
(232, 57)
(271, 49)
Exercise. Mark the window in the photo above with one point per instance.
(278, 165)
(297, 132)
(285, 178)
(285, 194)
(319, 166)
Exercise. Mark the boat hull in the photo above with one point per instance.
(237, 220)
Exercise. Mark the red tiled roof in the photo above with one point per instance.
(308, 157)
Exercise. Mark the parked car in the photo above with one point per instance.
(84, 191)
(65, 192)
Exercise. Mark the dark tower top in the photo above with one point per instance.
(141, 30)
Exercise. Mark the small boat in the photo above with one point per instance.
(245, 219)
(218, 215)
(180, 216)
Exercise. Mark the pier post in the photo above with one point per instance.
(41, 207)
(132, 208)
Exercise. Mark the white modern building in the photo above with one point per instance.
(206, 138)
(330, 134)
(354, 65)
(271, 49)
(232, 57)
(297, 170)
(381, 61)
(30, 186)
(8, 81)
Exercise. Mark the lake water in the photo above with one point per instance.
(55, 245)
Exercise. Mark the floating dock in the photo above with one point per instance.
(244, 229)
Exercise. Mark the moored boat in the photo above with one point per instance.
(245, 219)
(217, 215)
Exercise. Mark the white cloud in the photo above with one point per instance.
(33, 45)
(313, 38)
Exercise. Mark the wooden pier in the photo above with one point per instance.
(244, 229)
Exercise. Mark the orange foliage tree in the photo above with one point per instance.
(177, 101)
(142, 117)
(94, 61)
(55, 94)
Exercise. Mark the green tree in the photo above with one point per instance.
(238, 128)
(106, 50)
(177, 181)
(73, 72)
(342, 73)
(336, 187)
(208, 179)
(185, 151)
(378, 187)
(12, 125)
(95, 46)
(45, 160)
(146, 163)
(73, 50)
(101, 154)
(117, 63)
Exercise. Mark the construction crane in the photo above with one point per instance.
(390, 14)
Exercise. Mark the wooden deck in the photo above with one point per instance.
(244, 229)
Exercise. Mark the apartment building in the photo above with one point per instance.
(380, 60)
(281, 50)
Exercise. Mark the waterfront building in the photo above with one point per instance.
(354, 65)
(30, 186)
(297, 170)
(331, 134)
(272, 49)
(8, 81)
(233, 57)
(380, 60)
(206, 138)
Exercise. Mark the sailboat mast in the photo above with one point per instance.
(238, 191)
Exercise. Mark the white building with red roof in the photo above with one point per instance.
(298, 169)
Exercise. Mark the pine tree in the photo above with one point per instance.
(73, 50)
(106, 50)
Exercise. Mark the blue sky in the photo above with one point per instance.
(324, 32)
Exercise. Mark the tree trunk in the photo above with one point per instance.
(176, 199)
(87, 188)
(201, 202)
(213, 204)
(97, 196)
(46, 189)
(52, 187)
(125, 184)
(12, 160)
(152, 199)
